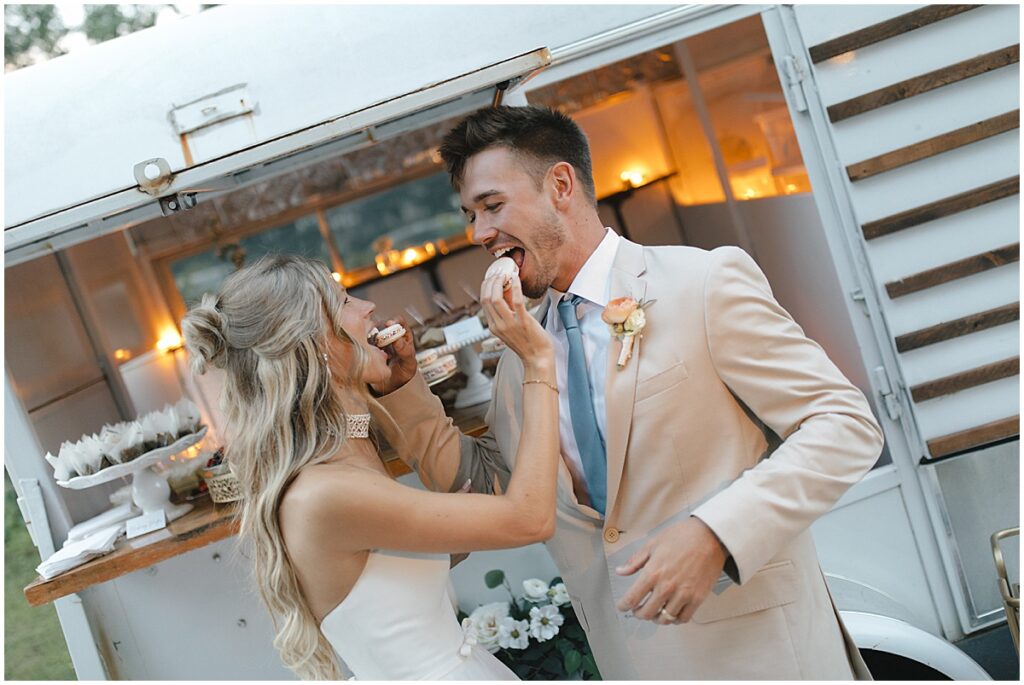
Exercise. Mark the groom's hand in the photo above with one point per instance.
(401, 361)
(678, 567)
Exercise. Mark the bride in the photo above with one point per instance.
(346, 559)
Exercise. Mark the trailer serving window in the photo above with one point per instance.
(396, 227)
(204, 272)
(370, 236)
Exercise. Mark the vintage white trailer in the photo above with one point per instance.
(901, 257)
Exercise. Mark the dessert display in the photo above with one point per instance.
(124, 442)
(427, 356)
(441, 368)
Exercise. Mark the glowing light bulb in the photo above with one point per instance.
(170, 340)
(633, 177)
(336, 276)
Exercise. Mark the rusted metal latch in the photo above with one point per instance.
(154, 176)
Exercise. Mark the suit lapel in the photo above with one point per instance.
(620, 384)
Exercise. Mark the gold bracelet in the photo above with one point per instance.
(541, 381)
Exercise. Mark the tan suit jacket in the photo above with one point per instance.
(727, 412)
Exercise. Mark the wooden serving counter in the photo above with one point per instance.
(205, 524)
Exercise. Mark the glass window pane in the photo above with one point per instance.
(204, 272)
(748, 112)
(405, 215)
(302, 237)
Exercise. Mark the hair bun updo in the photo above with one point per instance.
(203, 330)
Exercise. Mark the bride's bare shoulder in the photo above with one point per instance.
(323, 494)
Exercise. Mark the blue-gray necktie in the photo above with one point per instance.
(581, 408)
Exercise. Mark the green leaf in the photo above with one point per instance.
(552, 664)
(555, 581)
(523, 671)
(590, 667)
(573, 660)
(575, 632)
(494, 578)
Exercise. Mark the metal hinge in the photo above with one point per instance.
(33, 512)
(794, 73)
(885, 390)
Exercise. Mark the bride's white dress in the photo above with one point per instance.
(397, 623)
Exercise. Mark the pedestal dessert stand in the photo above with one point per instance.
(150, 490)
(478, 386)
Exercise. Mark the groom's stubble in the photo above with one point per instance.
(550, 237)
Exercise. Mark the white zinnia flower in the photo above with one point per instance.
(513, 634)
(544, 622)
(535, 590)
(559, 594)
(484, 624)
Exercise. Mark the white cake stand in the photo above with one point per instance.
(478, 386)
(150, 490)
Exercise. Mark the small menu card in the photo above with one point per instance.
(147, 523)
(460, 331)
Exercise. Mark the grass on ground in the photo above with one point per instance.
(34, 646)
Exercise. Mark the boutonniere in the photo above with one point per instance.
(626, 318)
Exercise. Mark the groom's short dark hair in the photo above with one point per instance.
(539, 136)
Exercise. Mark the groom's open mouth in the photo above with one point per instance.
(516, 254)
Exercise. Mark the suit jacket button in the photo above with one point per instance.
(611, 535)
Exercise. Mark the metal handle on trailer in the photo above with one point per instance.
(1010, 603)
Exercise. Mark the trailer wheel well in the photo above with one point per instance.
(887, 666)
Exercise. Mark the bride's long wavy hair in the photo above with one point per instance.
(272, 330)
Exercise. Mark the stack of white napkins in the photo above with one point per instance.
(77, 552)
(121, 512)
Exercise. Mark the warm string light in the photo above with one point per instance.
(390, 261)
(169, 341)
(121, 354)
(633, 178)
(188, 454)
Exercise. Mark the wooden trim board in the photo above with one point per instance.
(934, 146)
(954, 270)
(974, 437)
(962, 326)
(966, 379)
(917, 85)
(975, 197)
(884, 30)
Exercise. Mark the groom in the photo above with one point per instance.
(691, 472)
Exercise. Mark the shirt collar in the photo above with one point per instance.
(591, 283)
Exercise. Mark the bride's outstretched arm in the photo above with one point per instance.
(380, 513)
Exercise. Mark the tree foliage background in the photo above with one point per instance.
(33, 33)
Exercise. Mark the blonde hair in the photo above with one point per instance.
(270, 329)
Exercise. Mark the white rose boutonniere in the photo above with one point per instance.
(626, 318)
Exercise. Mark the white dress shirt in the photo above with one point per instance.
(592, 284)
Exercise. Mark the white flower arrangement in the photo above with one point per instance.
(538, 635)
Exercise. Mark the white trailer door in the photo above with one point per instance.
(911, 114)
(241, 93)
